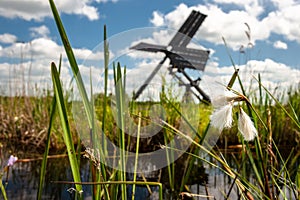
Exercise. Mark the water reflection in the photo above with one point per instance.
(23, 179)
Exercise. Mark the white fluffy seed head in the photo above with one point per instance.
(224, 99)
(246, 126)
(222, 117)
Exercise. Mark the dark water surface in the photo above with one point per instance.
(23, 180)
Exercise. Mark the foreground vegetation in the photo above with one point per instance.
(46, 122)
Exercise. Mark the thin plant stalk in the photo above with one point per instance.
(284, 169)
(188, 169)
(226, 169)
(278, 103)
(95, 172)
(192, 160)
(96, 176)
(119, 87)
(258, 148)
(77, 76)
(72, 61)
(45, 156)
(296, 122)
(106, 60)
(136, 155)
(169, 166)
(159, 185)
(3, 189)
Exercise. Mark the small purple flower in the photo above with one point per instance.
(12, 160)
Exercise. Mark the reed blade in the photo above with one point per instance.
(120, 99)
(72, 61)
(44, 161)
(3, 190)
(65, 126)
(136, 155)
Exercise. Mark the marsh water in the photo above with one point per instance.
(23, 179)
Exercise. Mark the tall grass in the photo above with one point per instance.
(273, 173)
(119, 80)
(44, 162)
(66, 128)
(120, 85)
(262, 163)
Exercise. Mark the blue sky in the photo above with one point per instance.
(29, 40)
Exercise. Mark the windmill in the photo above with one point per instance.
(180, 56)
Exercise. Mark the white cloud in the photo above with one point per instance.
(26, 75)
(253, 7)
(285, 21)
(283, 4)
(273, 75)
(41, 31)
(39, 9)
(157, 19)
(27, 10)
(218, 24)
(271, 72)
(45, 48)
(78, 7)
(7, 38)
(137, 76)
(280, 45)
(30, 64)
(231, 24)
(88, 54)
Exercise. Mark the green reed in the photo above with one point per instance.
(116, 177)
(66, 127)
(46, 153)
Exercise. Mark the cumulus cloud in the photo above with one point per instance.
(27, 10)
(283, 4)
(254, 7)
(39, 48)
(246, 17)
(29, 77)
(285, 21)
(46, 48)
(7, 38)
(275, 76)
(280, 45)
(41, 31)
(157, 19)
(39, 9)
(30, 65)
(230, 24)
(218, 24)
